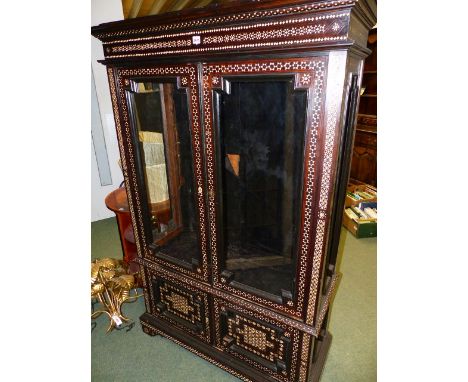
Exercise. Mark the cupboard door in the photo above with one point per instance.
(183, 306)
(161, 114)
(261, 126)
(258, 340)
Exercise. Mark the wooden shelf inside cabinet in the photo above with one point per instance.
(367, 122)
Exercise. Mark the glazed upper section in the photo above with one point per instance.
(244, 27)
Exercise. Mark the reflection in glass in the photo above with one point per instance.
(261, 137)
(161, 116)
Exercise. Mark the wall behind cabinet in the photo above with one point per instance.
(103, 11)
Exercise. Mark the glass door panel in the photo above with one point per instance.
(160, 114)
(260, 127)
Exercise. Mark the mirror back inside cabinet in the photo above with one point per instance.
(235, 124)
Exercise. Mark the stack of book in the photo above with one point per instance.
(360, 214)
(360, 193)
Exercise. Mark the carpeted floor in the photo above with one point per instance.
(134, 356)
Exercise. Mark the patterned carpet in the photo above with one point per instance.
(123, 356)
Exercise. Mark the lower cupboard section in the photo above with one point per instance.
(248, 339)
(260, 341)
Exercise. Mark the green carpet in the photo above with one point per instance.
(134, 356)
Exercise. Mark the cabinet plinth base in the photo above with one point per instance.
(153, 326)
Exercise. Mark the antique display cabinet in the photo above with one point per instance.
(235, 125)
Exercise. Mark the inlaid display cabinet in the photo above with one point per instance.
(235, 125)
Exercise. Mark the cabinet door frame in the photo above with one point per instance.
(186, 77)
(311, 74)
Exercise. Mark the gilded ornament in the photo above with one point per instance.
(111, 285)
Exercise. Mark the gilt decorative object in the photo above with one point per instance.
(111, 285)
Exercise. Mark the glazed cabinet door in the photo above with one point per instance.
(261, 123)
(164, 165)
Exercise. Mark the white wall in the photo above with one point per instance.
(104, 11)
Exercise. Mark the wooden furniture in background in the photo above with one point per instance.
(364, 163)
(258, 122)
(117, 202)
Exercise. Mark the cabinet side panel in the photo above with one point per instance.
(329, 154)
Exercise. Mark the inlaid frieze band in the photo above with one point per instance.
(237, 17)
(321, 28)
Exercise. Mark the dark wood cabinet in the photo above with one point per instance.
(235, 126)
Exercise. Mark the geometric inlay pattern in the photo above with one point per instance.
(180, 303)
(333, 104)
(204, 22)
(256, 338)
(275, 33)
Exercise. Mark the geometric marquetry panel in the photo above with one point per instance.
(180, 303)
(256, 338)
(260, 341)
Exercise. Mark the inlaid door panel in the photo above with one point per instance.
(180, 305)
(262, 124)
(163, 164)
(262, 342)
